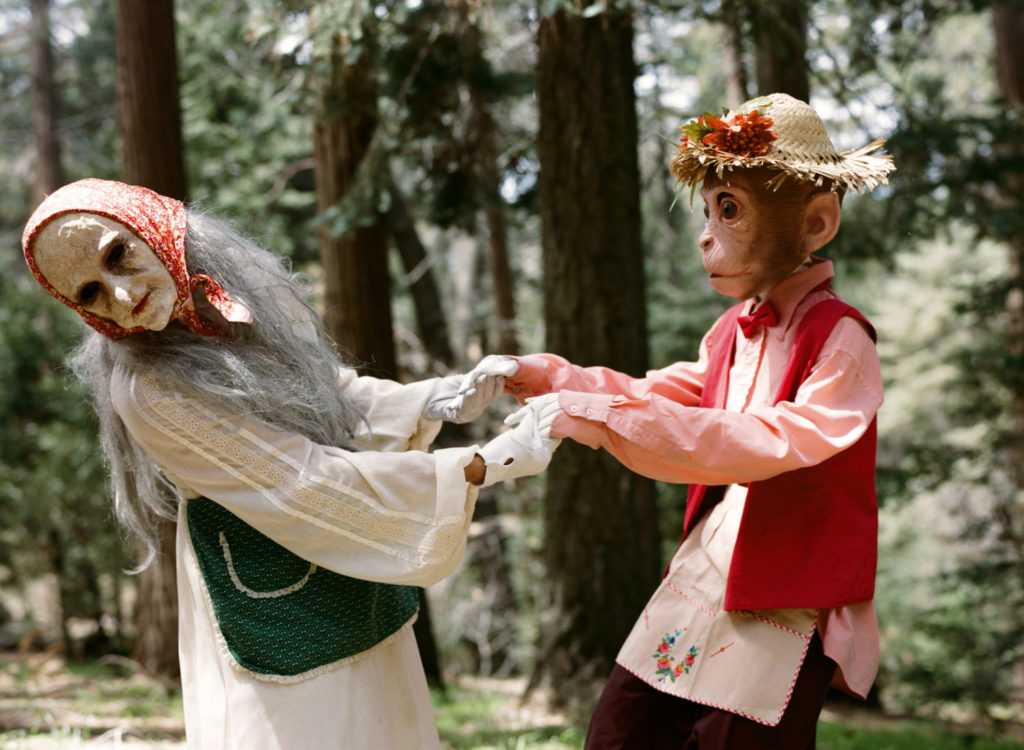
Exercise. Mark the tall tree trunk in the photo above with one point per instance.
(147, 78)
(150, 117)
(355, 263)
(484, 135)
(55, 548)
(49, 172)
(431, 322)
(156, 642)
(780, 29)
(600, 538)
(735, 72)
(1008, 22)
(497, 230)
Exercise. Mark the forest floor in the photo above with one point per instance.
(47, 704)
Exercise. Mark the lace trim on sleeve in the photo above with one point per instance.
(290, 486)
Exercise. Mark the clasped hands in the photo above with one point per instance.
(524, 450)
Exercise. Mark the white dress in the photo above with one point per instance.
(394, 514)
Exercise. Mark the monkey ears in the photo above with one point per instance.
(821, 221)
(783, 134)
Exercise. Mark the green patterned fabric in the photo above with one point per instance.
(280, 614)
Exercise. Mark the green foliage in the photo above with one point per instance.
(951, 592)
(245, 115)
(54, 504)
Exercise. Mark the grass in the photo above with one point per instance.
(906, 736)
(489, 715)
(46, 705)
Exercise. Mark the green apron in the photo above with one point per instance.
(280, 614)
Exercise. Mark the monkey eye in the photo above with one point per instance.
(730, 210)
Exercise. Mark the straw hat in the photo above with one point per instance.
(783, 134)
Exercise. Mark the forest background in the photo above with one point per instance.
(464, 177)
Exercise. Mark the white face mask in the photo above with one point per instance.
(106, 268)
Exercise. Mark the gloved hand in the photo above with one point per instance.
(527, 449)
(477, 389)
(445, 402)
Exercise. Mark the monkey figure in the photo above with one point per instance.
(768, 599)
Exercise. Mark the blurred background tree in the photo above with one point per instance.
(456, 175)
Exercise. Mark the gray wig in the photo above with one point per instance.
(282, 369)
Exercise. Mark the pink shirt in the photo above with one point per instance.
(654, 424)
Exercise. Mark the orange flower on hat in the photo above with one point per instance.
(740, 134)
(735, 133)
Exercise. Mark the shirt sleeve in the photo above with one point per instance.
(665, 439)
(682, 382)
(394, 517)
(393, 412)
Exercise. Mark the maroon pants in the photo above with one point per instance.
(632, 715)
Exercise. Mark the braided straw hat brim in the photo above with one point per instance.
(802, 151)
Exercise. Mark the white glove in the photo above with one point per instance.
(525, 450)
(441, 404)
(478, 388)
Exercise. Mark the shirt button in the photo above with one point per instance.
(574, 409)
(590, 412)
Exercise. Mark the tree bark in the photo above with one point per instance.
(780, 29)
(431, 321)
(735, 72)
(156, 642)
(49, 171)
(153, 156)
(150, 113)
(1008, 23)
(355, 263)
(600, 538)
(484, 130)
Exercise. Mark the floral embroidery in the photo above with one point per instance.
(668, 667)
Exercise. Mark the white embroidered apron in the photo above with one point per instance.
(687, 645)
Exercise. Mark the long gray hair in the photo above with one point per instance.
(282, 369)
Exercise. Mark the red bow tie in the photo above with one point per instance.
(763, 315)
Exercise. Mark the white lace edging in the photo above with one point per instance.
(252, 593)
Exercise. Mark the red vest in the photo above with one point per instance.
(808, 537)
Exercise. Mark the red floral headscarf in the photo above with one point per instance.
(160, 223)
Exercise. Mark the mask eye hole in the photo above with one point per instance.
(116, 254)
(88, 293)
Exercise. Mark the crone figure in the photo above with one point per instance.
(308, 509)
(768, 599)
